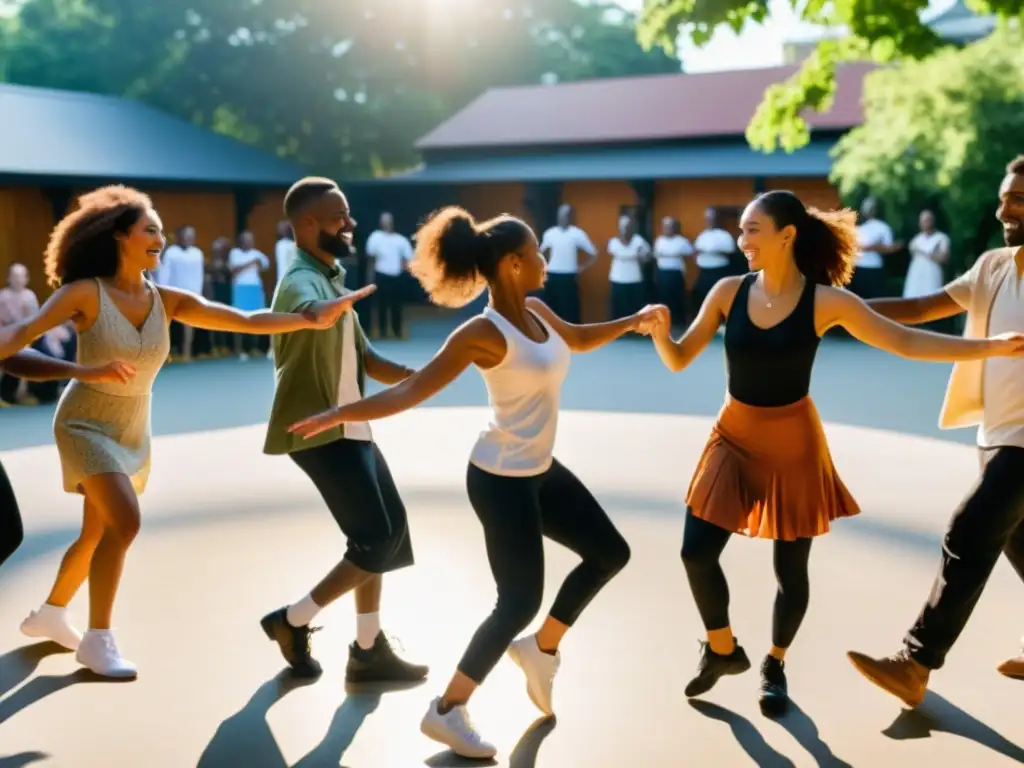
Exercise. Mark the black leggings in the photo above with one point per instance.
(516, 513)
(703, 543)
(11, 531)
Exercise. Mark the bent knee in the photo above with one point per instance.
(615, 557)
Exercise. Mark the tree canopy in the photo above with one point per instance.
(881, 30)
(939, 133)
(343, 88)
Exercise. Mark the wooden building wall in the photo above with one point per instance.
(26, 219)
(687, 199)
(487, 200)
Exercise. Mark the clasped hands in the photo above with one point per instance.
(653, 319)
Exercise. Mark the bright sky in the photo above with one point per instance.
(756, 46)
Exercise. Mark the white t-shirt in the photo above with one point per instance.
(563, 245)
(1003, 377)
(670, 252)
(183, 268)
(284, 252)
(871, 233)
(924, 274)
(390, 252)
(251, 276)
(348, 385)
(713, 248)
(626, 259)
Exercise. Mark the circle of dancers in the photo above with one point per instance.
(766, 471)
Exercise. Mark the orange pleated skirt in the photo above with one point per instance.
(768, 473)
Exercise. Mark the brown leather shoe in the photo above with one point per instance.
(1013, 667)
(898, 674)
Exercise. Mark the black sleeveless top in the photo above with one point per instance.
(770, 367)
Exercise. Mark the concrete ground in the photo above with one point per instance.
(229, 534)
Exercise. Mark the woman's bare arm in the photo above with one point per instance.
(66, 303)
(194, 310)
(477, 342)
(839, 307)
(676, 355)
(588, 336)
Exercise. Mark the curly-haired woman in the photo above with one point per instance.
(97, 258)
(518, 490)
(766, 470)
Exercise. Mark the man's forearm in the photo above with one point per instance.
(383, 370)
(916, 311)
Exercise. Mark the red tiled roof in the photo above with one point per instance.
(632, 109)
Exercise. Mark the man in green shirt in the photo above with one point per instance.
(314, 372)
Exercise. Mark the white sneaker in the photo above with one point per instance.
(98, 652)
(540, 669)
(455, 730)
(51, 622)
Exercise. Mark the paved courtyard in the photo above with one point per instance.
(229, 534)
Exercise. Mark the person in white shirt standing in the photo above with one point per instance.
(184, 268)
(284, 249)
(391, 253)
(628, 250)
(876, 241)
(929, 254)
(673, 252)
(247, 294)
(990, 393)
(715, 248)
(561, 245)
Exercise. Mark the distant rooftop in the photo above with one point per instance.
(83, 136)
(632, 109)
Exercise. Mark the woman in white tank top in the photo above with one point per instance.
(519, 491)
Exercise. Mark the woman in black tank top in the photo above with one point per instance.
(766, 471)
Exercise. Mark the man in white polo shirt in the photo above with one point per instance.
(184, 268)
(990, 393)
(714, 248)
(876, 241)
(391, 253)
(561, 245)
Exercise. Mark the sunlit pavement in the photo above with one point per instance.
(229, 534)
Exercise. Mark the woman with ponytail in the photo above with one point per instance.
(518, 490)
(766, 471)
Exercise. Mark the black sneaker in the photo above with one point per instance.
(774, 691)
(713, 665)
(294, 643)
(380, 664)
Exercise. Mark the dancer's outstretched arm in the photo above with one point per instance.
(192, 309)
(69, 302)
(676, 355)
(590, 336)
(839, 307)
(476, 342)
(31, 365)
(923, 309)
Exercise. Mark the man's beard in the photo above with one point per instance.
(335, 245)
(1013, 237)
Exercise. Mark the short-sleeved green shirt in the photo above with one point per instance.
(307, 364)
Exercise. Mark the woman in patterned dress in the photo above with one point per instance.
(97, 257)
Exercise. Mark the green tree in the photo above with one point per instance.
(881, 30)
(341, 88)
(940, 132)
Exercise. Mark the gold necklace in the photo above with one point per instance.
(771, 298)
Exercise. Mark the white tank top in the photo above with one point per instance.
(523, 392)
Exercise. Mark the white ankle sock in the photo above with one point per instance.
(367, 629)
(52, 610)
(301, 613)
